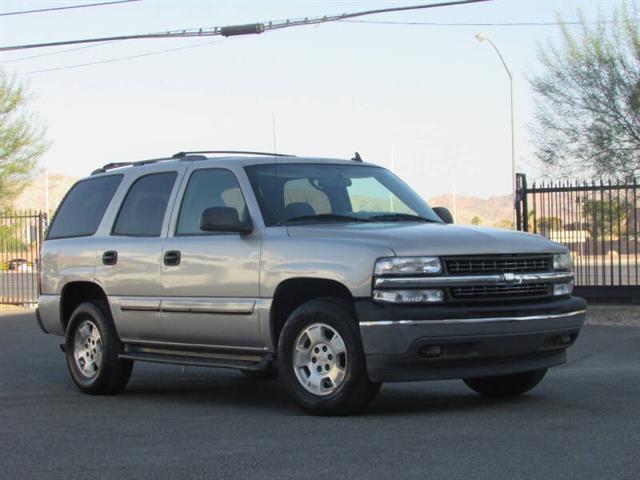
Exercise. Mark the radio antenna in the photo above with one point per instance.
(273, 128)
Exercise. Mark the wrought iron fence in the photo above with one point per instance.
(600, 223)
(21, 234)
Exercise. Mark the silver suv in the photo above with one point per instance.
(331, 274)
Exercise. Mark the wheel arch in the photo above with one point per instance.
(75, 293)
(293, 292)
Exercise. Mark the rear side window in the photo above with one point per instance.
(143, 209)
(82, 210)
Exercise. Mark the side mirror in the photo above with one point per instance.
(444, 214)
(223, 219)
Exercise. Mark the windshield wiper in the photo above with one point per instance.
(327, 216)
(401, 217)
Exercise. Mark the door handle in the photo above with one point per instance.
(110, 257)
(172, 258)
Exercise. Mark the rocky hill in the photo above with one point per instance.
(492, 211)
(33, 197)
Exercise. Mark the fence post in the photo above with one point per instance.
(521, 203)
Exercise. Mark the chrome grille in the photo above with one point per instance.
(491, 265)
(501, 291)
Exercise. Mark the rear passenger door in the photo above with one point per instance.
(210, 280)
(69, 252)
(129, 257)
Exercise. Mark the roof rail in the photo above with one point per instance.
(183, 156)
(111, 166)
(231, 152)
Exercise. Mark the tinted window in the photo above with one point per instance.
(292, 193)
(302, 191)
(143, 209)
(209, 188)
(83, 208)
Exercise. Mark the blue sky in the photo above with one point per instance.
(432, 98)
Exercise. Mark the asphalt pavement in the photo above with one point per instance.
(582, 422)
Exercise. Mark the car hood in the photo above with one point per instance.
(410, 238)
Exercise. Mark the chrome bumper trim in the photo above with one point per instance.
(387, 323)
(472, 280)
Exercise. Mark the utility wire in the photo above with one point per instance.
(58, 52)
(23, 12)
(119, 59)
(255, 28)
(451, 24)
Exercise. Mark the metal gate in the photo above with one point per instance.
(599, 222)
(21, 234)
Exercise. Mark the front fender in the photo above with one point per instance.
(348, 262)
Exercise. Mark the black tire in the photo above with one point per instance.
(355, 390)
(269, 373)
(503, 386)
(113, 373)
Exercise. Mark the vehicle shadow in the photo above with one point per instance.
(232, 389)
(427, 398)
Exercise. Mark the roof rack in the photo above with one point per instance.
(182, 156)
(231, 152)
(111, 166)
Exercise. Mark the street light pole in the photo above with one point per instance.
(481, 37)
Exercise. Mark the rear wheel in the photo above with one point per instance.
(506, 385)
(92, 347)
(321, 361)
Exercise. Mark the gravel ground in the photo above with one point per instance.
(622, 315)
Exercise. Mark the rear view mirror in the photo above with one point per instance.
(336, 181)
(223, 219)
(444, 214)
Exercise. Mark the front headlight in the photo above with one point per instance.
(562, 261)
(408, 265)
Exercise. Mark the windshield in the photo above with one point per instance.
(311, 193)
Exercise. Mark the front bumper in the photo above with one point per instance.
(426, 343)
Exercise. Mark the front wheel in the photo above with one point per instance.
(506, 385)
(321, 360)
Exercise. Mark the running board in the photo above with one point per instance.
(174, 359)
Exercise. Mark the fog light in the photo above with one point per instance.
(564, 340)
(562, 289)
(409, 296)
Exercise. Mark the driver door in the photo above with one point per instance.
(210, 280)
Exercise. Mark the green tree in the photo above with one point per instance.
(504, 224)
(549, 223)
(476, 220)
(587, 95)
(607, 217)
(21, 140)
(9, 240)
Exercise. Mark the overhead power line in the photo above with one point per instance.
(253, 28)
(120, 59)
(68, 7)
(468, 24)
(57, 52)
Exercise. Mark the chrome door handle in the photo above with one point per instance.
(172, 258)
(110, 257)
